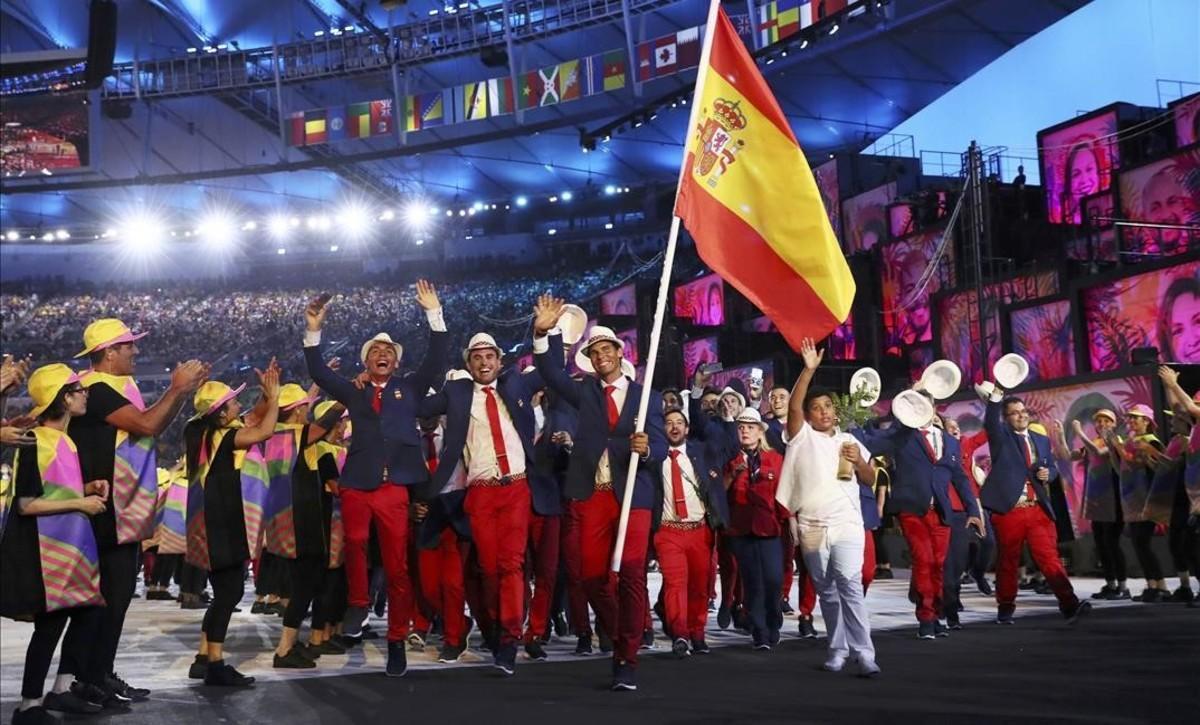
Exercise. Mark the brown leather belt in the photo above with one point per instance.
(1026, 504)
(606, 486)
(682, 525)
(502, 481)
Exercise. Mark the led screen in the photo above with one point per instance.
(1042, 335)
(1165, 192)
(49, 132)
(702, 301)
(1153, 309)
(865, 218)
(1077, 160)
(906, 316)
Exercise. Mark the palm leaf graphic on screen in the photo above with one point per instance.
(1115, 337)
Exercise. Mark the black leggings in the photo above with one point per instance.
(329, 606)
(1107, 535)
(1180, 538)
(47, 630)
(228, 586)
(118, 577)
(307, 573)
(1141, 534)
(165, 566)
(191, 579)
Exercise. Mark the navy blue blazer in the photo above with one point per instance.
(775, 431)
(1006, 480)
(551, 459)
(388, 439)
(593, 436)
(915, 479)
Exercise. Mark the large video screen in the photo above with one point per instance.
(700, 351)
(865, 218)
(907, 319)
(841, 341)
(826, 176)
(1163, 192)
(619, 301)
(1042, 334)
(958, 315)
(630, 338)
(49, 132)
(1153, 309)
(1187, 120)
(1098, 239)
(702, 301)
(1077, 160)
(1067, 403)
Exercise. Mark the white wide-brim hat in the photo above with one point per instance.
(572, 322)
(598, 334)
(868, 378)
(1010, 371)
(912, 409)
(381, 337)
(941, 379)
(751, 415)
(481, 341)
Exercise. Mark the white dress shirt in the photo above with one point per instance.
(437, 323)
(621, 385)
(691, 495)
(480, 452)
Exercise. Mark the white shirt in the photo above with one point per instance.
(480, 452)
(621, 385)
(458, 479)
(809, 486)
(437, 323)
(933, 436)
(691, 496)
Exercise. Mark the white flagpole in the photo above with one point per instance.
(664, 284)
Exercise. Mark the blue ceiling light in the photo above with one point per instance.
(522, 201)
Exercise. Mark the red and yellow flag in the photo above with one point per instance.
(748, 198)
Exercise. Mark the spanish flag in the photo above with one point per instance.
(748, 198)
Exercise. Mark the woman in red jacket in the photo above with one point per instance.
(755, 525)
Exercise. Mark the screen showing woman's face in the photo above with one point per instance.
(1083, 176)
(1184, 321)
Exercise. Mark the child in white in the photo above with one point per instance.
(829, 516)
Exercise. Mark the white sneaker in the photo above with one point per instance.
(835, 663)
(868, 668)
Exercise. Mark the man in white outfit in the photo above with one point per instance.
(828, 515)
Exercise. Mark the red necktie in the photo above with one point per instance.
(613, 413)
(930, 449)
(493, 415)
(681, 511)
(1027, 446)
(431, 456)
(377, 401)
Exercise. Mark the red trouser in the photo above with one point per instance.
(868, 572)
(685, 557)
(807, 595)
(473, 590)
(619, 602)
(388, 507)
(441, 576)
(572, 555)
(731, 583)
(928, 540)
(500, 527)
(544, 540)
(1028, 524)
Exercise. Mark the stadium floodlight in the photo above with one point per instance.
(48, 237)
(354, 220)
(608, 225)
(522, 201)
(417, 216)
(553, 199)
(478, 206)
(281, 251)
(609, 189)
(218, 228)
(323, 223)
(567, 196)
(62, 234)
(419, 242)
(142, 232)
(333, 247)
(12, 236)
(250, 226)
(387, 215)
(278, 226)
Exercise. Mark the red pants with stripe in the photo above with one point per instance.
(442, 584)
(619, 601)
(387, 506)
(499, 518)
(928, 541)
(545, 535)
(684, 558)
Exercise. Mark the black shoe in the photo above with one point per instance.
(101, 696)
(328, 647)
(741, 619)
(381, 603)
(276, 608)
(368, 633)
(223, 675)
(786, 607)
(724, 617)
(1183, 595)
(1081, 609)
(506, 659)
(397, 662)
(773, 637)
(1026, 584)
(450, 653)
(700, 647)
(192, 602)
(953, 622)
(1041, 587)
(762, 646)
(347, 643)
(807, 630)
(648, 639)
(257, 608)
(583, 647)
(1104, 592)
(884, 573)
(984, 586)
(1149, 596)
(1119, 594)
(116, 684)
(69, 702)
(37, 715)
(624, 678)
(606, 643)
(712, 605)
(293, 660)
(205, 597)
(679, 648)
(559, 623)
(198, 668)
(535, 651)
(926, 630)
(159, 596)
(1005, 618)
(940, 629)
(352, 622)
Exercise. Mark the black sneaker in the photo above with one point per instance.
(1026, 585)
(198, 668)
(807, 630)
(953, 622)
(101, 696)
(36, 715)
(940, 629)
(1183, 595)
(786, 607)
(1005, 618)
(1149, 596)
(352, 622)
(192, 602)
(159, 596)
(884, 573)
(1119, 594)
(328, 647)
(624, 677)
(116, 684)
(926, 630)
(293, 660)
(1081, 609)
(712, 605)
(741, 619)
(762, 646)
(983, 585)
(397, 662)
(1042, 587)
(679, 648)
(257, 607)
(506, 659)
(648, 639)
(535, 651)
(583, 647)
(69, 702)
(1105, 592)
(223, 675)
(450, 653)
(724, 617)
(700, 647)
(560, 625)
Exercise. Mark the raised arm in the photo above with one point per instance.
(812, 360)
(434, 365)
(548, 349)
(152, 421)
(265, 427)
(1176, 396)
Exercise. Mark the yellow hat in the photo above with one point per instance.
(44, 384)
(164, 476)
(292, 395)
(212, 395)
(323, 408)
(1037, 428)
(106, 333)
(1105, 413)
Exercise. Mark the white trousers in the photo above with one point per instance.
(834, 557)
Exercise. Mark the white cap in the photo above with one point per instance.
(381, 337)
(751, 415)
(598, 333)
(481, 341)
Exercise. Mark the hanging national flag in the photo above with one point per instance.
(314, 127)
(788, 17)
(827, 8)
(687, 47)
(806, 12)
(604, 72)
(768, 24)
(645, 61)
(614, 70)
(336, 121)
(549, 86)
(500, 96)
(665, 56)
(748, 198)
(294, 128)
(568, 81)
(474, 97)
(381, 117)
(530, 88)
(358, 120)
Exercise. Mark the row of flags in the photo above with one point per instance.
(781, 19)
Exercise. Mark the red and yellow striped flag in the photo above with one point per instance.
(748, 198)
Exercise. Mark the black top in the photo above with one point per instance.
(96, 440)
(22, 593)
(224, 518)
(327, 470)
(308, 485)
